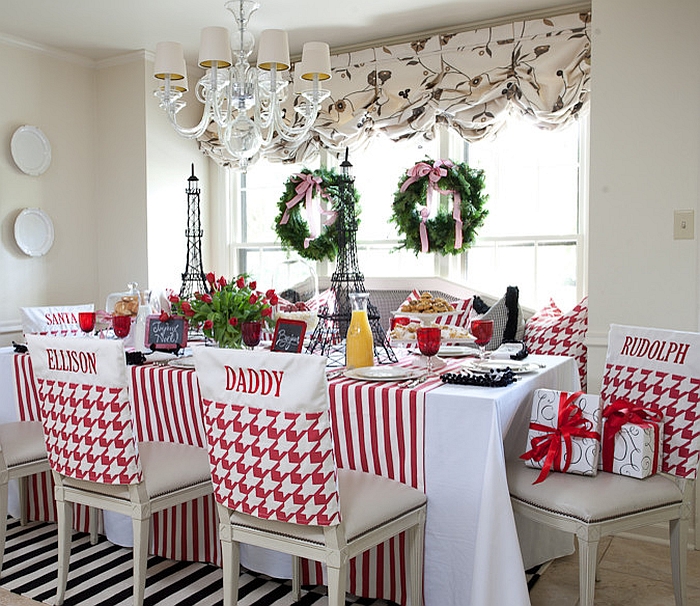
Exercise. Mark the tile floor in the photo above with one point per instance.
(632, 573)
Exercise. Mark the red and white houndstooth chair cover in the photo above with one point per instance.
(84, 395)
(659, 368)
(270, 442)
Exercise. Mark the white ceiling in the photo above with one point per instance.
(102, 29)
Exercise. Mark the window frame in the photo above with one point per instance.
(453, 268)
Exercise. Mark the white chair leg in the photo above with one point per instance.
(337, 581)
(93, 524)
(414, 537)
(64, 514)
(587, 559)
(141, 528)
(3, 519)
(678, 534)
(296, 578)
(231, 564)
(23, 508)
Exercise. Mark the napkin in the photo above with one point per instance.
(515, 350)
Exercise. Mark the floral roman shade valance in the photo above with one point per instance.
(471, 81)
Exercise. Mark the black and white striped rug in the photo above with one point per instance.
(101, 575)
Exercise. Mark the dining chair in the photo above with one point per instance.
(22, 454)
(651, 368)
(83, 387)
(268, 426)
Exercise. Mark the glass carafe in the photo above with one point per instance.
(359, 345)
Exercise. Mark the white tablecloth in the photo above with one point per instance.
(471, 544)
(472, 554)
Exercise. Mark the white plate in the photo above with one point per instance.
(457, 351)
(34, 232)
(516, 366)
(31, 150)
(186, 362)
(382, 373)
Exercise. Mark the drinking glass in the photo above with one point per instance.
(121, 325)
(251, 332)
(86, 319)
(482, 331)
(429, 338)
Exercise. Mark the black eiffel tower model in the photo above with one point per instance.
(193, 278)
(328, 338)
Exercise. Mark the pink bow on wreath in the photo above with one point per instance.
(316, 216)
(434, 173)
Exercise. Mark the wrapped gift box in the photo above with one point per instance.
(564, 433)
(631, 440)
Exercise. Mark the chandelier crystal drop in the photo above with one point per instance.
(244, 103)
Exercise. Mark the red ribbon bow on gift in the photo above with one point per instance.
(570, 424)
(315, 215)
(619, 413)
(434, 173)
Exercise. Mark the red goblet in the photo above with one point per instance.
(86, 319)
(121, 325)
(429, 338)
(482, 331)
(251, 332)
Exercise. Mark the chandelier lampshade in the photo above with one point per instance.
(242, 102)
(215, 48)
(316, 59)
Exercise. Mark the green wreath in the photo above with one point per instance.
(440, 233)
(291, 225)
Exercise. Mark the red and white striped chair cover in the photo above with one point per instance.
(86, 415)
(267, 420)
(649, 367)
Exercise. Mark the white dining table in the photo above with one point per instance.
(471, 544)
(473, 553)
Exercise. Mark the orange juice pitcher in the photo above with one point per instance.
(359, 345)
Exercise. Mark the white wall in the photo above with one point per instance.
(57, 94)
(115, 189)
(121, 195)
(644, 164)
(169, 160)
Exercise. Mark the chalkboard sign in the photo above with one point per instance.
(289, 335)
(170, 335)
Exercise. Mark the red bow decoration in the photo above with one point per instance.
(570, 424)
(619, 413)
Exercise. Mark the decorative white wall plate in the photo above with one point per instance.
(31, 150)
(34, 232)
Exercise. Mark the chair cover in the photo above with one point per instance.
(278, 462)
(86, 413)
(661, 369)
(59, 320)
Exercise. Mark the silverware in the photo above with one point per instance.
(414, 382)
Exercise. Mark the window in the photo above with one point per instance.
(532, 237)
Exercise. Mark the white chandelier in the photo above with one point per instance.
(231, 92)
